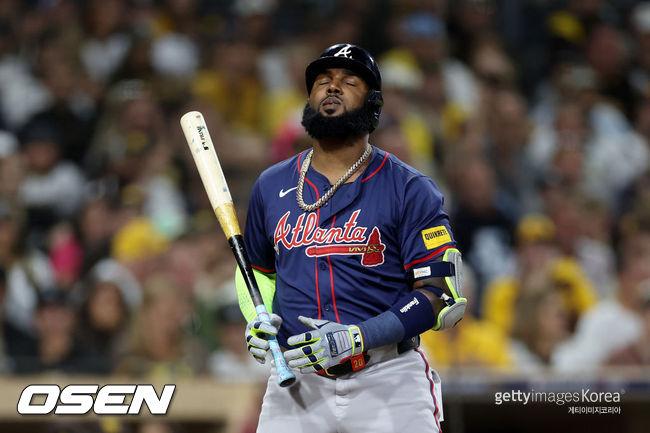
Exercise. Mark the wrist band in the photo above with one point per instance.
(408, 317)
(415, 313)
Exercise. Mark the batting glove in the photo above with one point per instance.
(257, 333)
(327, 345)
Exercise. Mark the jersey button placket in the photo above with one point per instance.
(325, 189)
(323, 267)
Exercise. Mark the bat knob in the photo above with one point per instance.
(287, 382)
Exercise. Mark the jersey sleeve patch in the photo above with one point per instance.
(436, 236)
(422, 272)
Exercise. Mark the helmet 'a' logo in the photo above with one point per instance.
(345, 52)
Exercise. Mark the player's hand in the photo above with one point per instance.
(257, 333)
(327, 345)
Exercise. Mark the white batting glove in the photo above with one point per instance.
(329, 344)
(257, 333)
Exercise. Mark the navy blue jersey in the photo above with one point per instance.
(351, 259)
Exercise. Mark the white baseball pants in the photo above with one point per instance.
(399, 394)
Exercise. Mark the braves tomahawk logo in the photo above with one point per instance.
(346, 240)
(344, 52)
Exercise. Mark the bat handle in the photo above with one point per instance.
(285, 375)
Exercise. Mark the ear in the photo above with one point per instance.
(376, 101)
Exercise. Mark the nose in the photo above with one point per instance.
(334, 88)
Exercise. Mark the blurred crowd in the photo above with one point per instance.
(533, 117)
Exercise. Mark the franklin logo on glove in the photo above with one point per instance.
(334, 350)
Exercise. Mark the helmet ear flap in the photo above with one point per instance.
(375, 101)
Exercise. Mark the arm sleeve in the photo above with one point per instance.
(266, 284)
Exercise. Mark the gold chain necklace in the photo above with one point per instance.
(321, 201)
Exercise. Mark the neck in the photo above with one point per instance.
(333, 157)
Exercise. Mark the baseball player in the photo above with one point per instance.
(355, 258)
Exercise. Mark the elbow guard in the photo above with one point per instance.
(451, 314)
(444, 279)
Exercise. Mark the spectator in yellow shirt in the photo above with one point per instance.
(473, 342)
(538, 257)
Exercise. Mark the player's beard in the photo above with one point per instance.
(349, 124)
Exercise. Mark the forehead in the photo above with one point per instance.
(336, 71)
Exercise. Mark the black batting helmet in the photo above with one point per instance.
(357, 60)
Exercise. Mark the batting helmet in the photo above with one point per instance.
(357, 60)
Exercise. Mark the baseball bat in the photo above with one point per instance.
(214, 182)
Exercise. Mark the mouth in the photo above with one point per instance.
(330, 103)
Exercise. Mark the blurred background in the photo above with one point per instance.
(532, 116)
